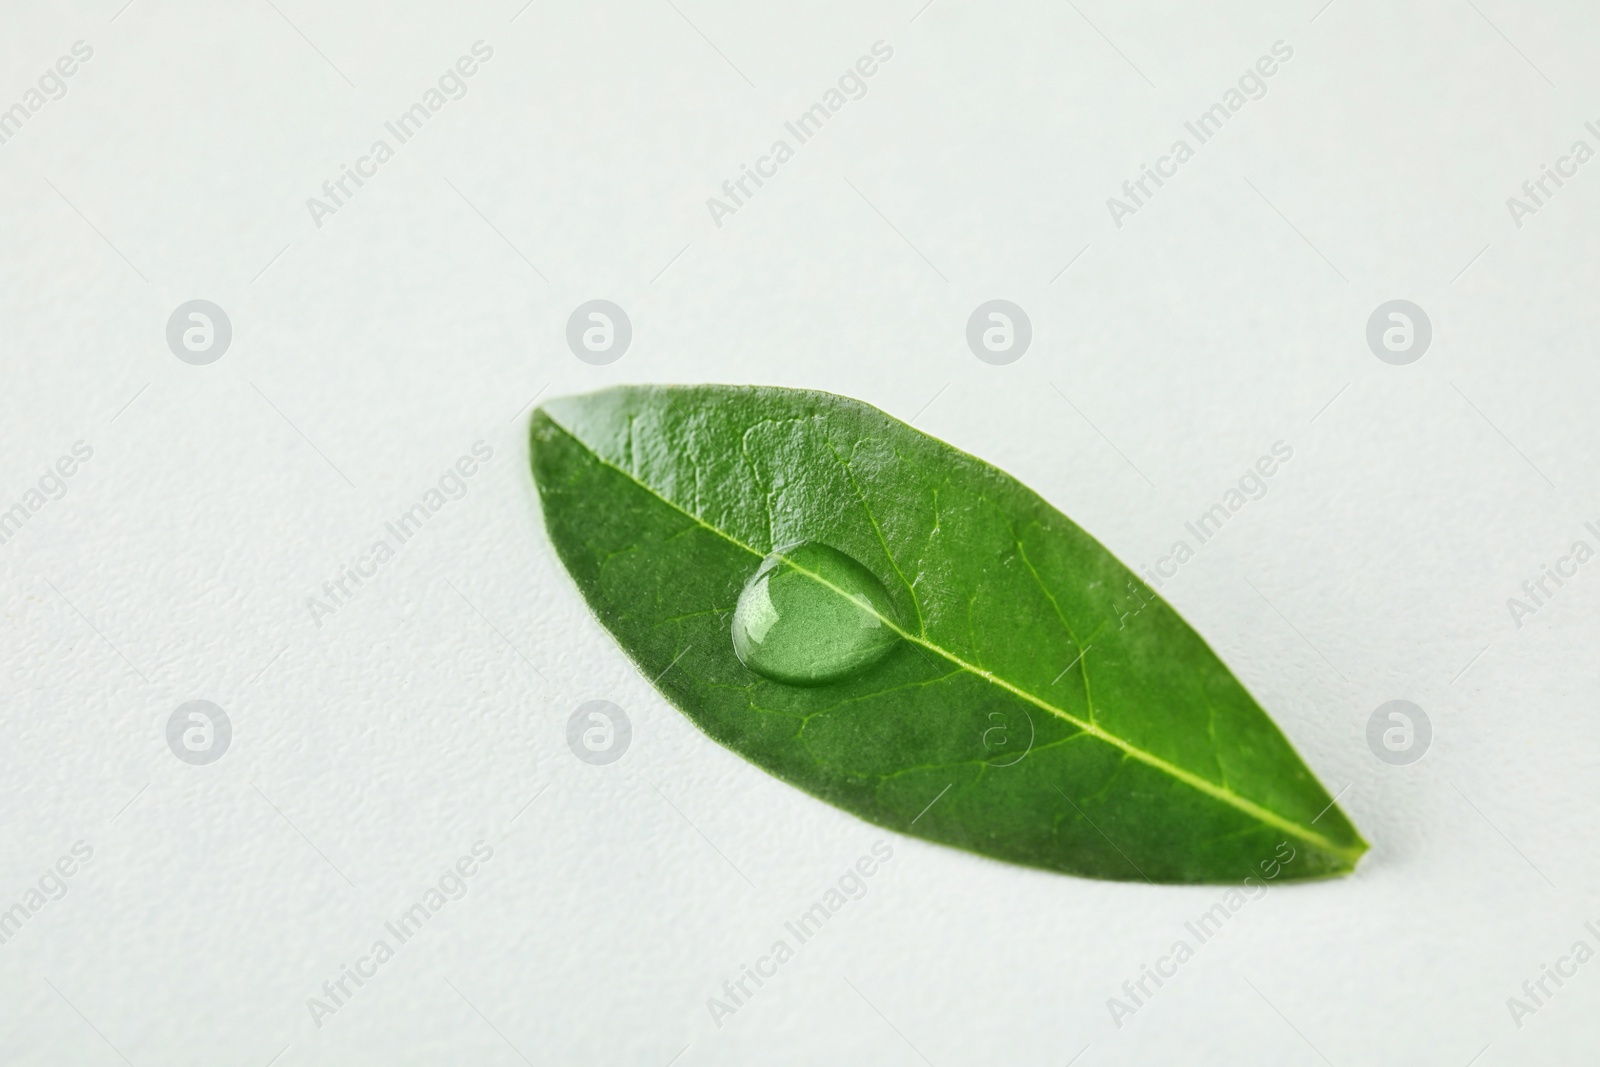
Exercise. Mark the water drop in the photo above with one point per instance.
(810, 614)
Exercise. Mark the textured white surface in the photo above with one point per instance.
(369, 353)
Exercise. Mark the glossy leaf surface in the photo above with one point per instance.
(1042, 704)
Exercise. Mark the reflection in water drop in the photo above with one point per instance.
(810, 614)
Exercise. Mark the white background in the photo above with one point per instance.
(368, 353)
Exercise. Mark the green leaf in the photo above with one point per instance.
(1034, 701)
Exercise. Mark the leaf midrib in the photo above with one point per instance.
(1189, 778)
